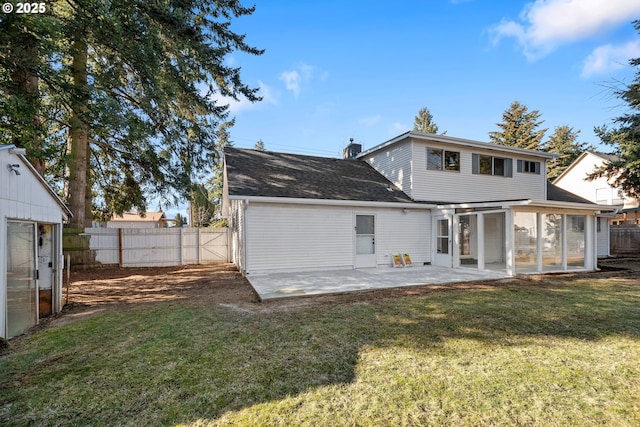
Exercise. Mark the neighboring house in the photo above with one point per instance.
(600, 191)
(445, 201)
(136, 220)
(31, 262)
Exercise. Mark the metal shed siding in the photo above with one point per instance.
(23, 197)
(288, 237)
(463, 186)
(395, 164)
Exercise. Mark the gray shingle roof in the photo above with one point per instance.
(269, 174)
(558, 194)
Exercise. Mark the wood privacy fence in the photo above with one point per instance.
(625, 239)
(148, 247)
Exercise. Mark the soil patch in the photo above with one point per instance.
(106, 289)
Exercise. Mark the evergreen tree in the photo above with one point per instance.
(424, 123)
(259, 145)
(564, 143)
(624, 172)
(135, 96)
(519, 128)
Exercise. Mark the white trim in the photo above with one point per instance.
(334, 202)
(460, 142)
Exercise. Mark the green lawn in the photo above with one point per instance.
(558, 352)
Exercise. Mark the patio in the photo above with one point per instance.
(280, 285)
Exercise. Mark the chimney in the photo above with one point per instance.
(352, 150)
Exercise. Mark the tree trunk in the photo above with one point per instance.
(79, 130)
(26, 85)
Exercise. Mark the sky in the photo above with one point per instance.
(339, 69)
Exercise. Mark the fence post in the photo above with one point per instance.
(120, 256)
(180, 246)
(199, 248)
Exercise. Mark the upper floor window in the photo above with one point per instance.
(483, 164)
(527, 166)
(439, 159)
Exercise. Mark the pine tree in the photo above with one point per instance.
(624, 172)
(259, 145)
(135, 96)
(424, 123)
(564, 143)
(519, 128)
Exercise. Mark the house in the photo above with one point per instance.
(600, 190)
(446, 201)
(137, 220)
(31, 217)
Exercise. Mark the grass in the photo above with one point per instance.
(565, 353)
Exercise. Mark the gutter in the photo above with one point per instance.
(333, 202)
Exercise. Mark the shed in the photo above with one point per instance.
(31, 262)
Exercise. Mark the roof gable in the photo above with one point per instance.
(66, 211)
(270, 174)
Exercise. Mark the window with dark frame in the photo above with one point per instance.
(439, 159)
(489, 165)
(528, 166)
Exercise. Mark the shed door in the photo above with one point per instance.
(22, 311)
(365, 241)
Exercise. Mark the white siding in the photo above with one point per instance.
(288, 237)
(297, 237)
(399, 232)
(24, 197)
(575, 181)
(395, 164)
(603, 241)
(463, 186)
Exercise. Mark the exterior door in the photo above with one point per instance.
(442, 244)
(22, 293)
(365, 235)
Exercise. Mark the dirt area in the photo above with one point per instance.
(101, 290)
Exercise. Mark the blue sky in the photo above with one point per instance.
(335, 70)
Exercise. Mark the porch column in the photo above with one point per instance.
(480, 240)
(509, 237)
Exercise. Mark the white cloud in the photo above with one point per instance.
(370, 120)
(609, 58)
(292, 81)
(398, 128)
(302, 75)
(243, 104)
(545, 24)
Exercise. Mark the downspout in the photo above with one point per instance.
(245, 206)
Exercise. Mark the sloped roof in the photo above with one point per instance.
(558, 194)
(270, 174)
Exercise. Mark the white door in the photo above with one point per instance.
(365, 235)
(22, 294)
(442, 244)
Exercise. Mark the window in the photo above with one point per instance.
(489, 165)
(526, 166)
(438, 159)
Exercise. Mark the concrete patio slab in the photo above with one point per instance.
(280, 285)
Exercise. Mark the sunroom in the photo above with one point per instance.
(517, 237)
